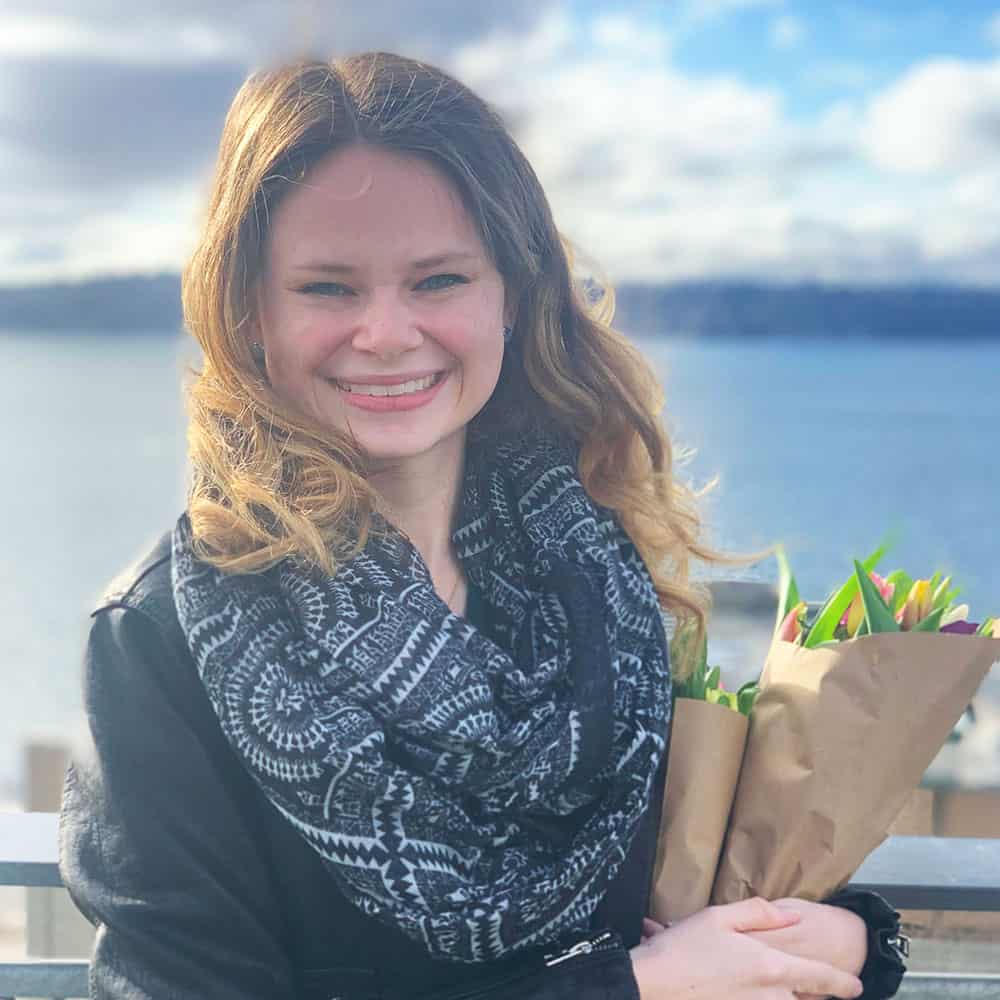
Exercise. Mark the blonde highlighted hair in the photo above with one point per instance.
(268, 483)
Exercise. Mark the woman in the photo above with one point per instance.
(386, 714)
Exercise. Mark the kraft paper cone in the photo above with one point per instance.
(839, 738)
(706, 748)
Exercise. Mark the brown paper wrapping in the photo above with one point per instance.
(706, 748)
(839, 738)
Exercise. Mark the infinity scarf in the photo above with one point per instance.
(477, 792)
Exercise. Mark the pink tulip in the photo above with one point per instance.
(855, 614)
(791, 627)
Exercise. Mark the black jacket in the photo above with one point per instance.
(199, 888)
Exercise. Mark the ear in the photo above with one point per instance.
(509, 309)
(251, 329)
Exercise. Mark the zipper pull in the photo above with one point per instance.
(584, 947)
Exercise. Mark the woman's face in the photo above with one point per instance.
(380, 312)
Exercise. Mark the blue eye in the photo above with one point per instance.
(330, 288)
(436, 282)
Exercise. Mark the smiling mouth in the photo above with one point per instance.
(400, 389)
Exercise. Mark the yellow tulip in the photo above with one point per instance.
(918, 605)
(855, 615)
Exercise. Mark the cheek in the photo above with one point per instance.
(299, 346)
(473, 328)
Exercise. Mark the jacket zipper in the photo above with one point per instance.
(598, 942)
(592, 946)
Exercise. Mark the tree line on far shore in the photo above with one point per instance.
(138, 303)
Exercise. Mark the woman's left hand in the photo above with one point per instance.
(827, 933)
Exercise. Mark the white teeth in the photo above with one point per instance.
(415, 385)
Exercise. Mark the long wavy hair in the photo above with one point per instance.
(270, 483)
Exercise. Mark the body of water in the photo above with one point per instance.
(819, 444)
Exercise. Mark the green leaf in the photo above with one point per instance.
(986, 628)
(878, 616)
(904, 583)
(940, 595)
(713, 678)
(825, 626)
(932, 623)
(788, 591)
(746, 696)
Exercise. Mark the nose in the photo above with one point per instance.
(386, 328)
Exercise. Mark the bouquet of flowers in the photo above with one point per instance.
(853, 704)
(707, 741)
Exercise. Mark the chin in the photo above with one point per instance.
(387, 448)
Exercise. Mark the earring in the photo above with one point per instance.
(508, 334)
(257, 350)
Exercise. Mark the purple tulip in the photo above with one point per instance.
(961, 628)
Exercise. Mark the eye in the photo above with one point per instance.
(437, 282)
(328, 288)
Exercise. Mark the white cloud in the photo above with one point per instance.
(98, 239)
(942, 116)
(787, 31)
(621, 32)
(153, 40)
(657, 174)
(662, 176)
(993, 29)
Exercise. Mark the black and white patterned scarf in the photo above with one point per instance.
(478, 792)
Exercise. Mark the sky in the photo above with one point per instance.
(780, 140)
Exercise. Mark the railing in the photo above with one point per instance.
(923, 873)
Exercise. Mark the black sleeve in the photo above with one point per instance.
(155, 844)
(887, 946)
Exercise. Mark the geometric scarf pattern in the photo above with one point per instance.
(477, 791)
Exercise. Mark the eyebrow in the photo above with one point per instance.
(336, 267)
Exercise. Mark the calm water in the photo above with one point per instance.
(820, 444)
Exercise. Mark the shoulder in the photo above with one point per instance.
(144, 586)
(135, 637)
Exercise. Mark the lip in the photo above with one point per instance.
(391, 404)
(388, 379)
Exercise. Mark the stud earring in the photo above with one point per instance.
(508, 334)
(257, 350)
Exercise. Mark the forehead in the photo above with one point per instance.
(364, 201)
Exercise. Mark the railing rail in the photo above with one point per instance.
(924, 873)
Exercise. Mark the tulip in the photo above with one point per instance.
(918, 605)
(791, 626)
(855, 614)
(960, 628)
(957, 615)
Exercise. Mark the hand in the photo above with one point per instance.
(712, 954)
(823, 933)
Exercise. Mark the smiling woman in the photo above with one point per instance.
(386, 714)
(395, 332)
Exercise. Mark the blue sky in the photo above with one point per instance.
(815, 52)
(770, 139)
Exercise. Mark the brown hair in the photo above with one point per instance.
(268, 482)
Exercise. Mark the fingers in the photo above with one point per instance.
(811, 978)
(756, 914)
(651, 926)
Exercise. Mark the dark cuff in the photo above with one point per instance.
(887, 946)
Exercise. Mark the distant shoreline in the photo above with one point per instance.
(723, 308)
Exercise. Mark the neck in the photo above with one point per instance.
(420, 497)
